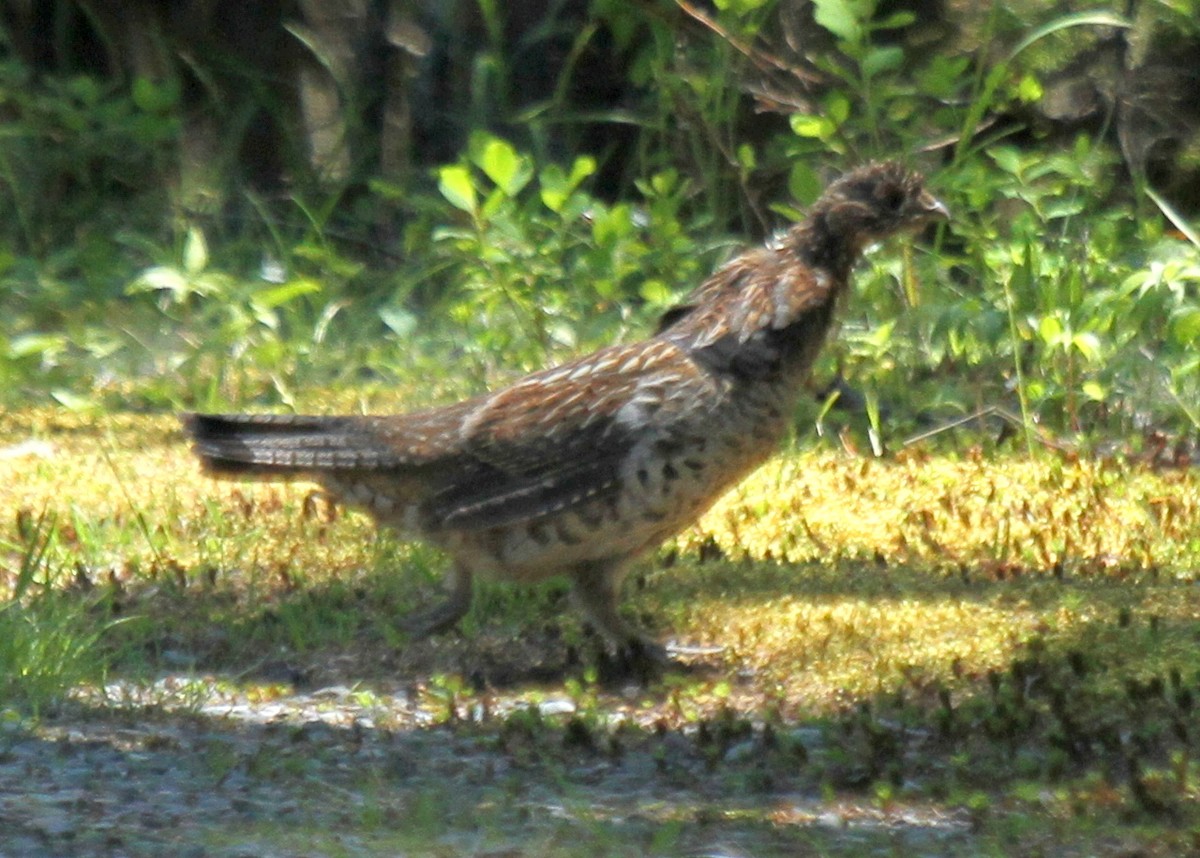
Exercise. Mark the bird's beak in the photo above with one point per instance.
(931, 207)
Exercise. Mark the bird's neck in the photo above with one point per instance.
(819, 246)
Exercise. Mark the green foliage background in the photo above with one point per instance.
(1065, 288)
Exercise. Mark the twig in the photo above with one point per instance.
(1004, 414)
(762, 60)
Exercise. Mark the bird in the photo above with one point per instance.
(580, 469)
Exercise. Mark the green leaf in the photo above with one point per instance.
(583, 167)
(811, 125)
(803, 183)
(493, 203)
(943, 76)
(285, 293)
(399, 320)
(839, 17)
(152, 97)
(745, 157)
(502, 164)
(1063, 208)
(1185, 328)
(612, 225)
(1029, 89)
(391, 191)
(35, 344)
(1050, 330)
(837, 107)
(195, 252)
(71, 401)
(895, 21)
(664, 182)
(556, 186)
(882, 59)
(740, 7)
(1094, 391)
(1088, 345)
(1007, 159)
(454, 183)
(656, 292)
(160, 278)
(86, 90)
(464, 237)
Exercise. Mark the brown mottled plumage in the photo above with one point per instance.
(579, 469)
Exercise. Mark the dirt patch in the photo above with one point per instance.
(342, 771)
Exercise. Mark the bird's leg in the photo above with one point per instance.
(594, 591)
(422, 624)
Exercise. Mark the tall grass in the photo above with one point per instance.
(48, 638)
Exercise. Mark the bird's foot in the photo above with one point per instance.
(636, 659)
(426, 623)
(444, 616)
(643, 660)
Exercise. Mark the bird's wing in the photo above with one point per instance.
(556, 439)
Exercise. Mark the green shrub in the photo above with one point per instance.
(1055, 290)
(536, 268)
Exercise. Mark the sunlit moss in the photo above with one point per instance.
(1095, 517)
(836, 577)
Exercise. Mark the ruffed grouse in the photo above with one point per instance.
(579, 469)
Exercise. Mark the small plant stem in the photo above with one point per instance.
(1072, 392)
(1016, 348)
(1190, 413)
(138, 515)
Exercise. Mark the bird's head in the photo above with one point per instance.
(873, 202)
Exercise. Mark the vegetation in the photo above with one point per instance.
(931, 640)
(1062, 289)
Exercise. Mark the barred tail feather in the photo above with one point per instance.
(285, 444)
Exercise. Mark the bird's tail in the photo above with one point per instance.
(267, 444)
